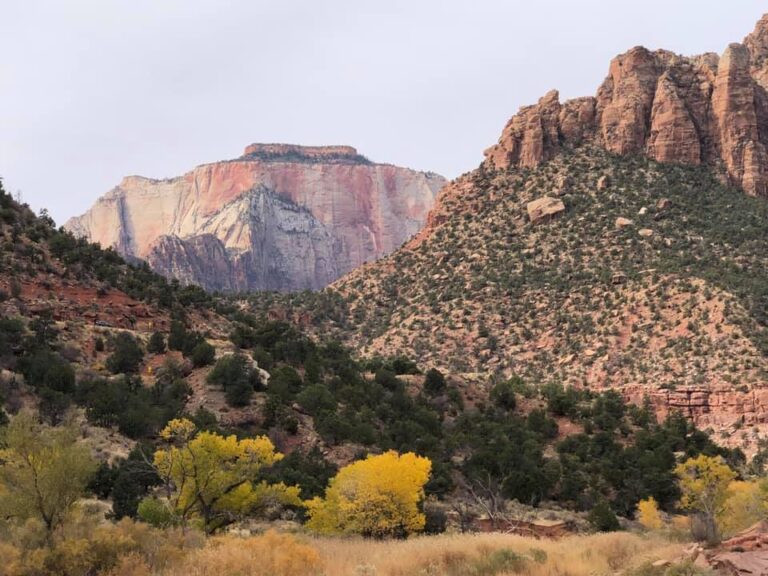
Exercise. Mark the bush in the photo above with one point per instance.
(156, 343)
(237, 377)
(503, 561)
(503, 395)
(177, 336)
(602, 518)
(127, 356)
(434, 382)
(203, 354)
(155, 512)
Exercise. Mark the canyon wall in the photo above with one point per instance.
(694, 110)
(280, 217)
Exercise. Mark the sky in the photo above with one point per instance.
(94, 90)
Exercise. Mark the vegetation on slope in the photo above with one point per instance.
(576, 299)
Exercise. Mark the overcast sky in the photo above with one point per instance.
(92, 90)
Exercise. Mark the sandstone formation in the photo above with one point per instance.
(544, 209)
(703, 109)
(280, 217)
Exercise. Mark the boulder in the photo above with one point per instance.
(544, 209)
(622, 222)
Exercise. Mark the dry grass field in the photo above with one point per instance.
(276, 554)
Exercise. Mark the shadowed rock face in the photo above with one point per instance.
(703, 109)
(280, 217)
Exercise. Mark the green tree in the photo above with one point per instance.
(156, 344)
(503, 395)
(236, 375)
(127, 356)
(43, 472)
(602, 518)
(434, 382)
(203, 354)
(177, 336)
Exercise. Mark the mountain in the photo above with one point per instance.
(700, 110)
(605, 243)
(280, 217)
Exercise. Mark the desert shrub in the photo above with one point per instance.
(156, 344)
(127, 356)
(503, 395)
(155, 512)
(238, 378)
(503, 561)
(203, 354)
(602, 518)
(434, 382)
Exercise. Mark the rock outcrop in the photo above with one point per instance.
(702, 109)
(280, 217)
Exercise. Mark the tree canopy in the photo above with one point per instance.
(375, 497)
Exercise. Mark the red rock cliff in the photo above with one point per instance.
(703, 109)
(281, 217)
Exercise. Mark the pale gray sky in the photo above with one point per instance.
(92, 90)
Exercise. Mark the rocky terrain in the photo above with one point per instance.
(699, 110)
(280, 217)
(604, 243)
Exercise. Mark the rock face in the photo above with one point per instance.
(280, 217)
(702, 109)
(544, 209)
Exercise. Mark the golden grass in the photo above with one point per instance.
(134, 549)
(454, 555)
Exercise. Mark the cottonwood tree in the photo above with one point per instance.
(704, 483)
(43, 472)
(217, 478)
(376, 497)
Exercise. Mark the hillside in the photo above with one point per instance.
(584, 252)
(115, 348)
(280, 217)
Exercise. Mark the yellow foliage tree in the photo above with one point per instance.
(704, 483)
(43, 472)
(214, 477)
(648, 514)
(745, 506)
(375, 497)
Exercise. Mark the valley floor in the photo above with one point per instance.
(491, 554)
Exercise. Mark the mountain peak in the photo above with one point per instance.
(672, 108)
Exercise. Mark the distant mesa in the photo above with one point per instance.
(280, 217)
(295, 153)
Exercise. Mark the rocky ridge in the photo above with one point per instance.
(604, 243)
(280, 217)
(692, 110)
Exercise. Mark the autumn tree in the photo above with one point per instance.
(704, 484)
(648, 514)
(216, 478)
(746, 505)
(43, 472)
(376, 497)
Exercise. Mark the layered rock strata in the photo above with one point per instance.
(693, 110)
(280, 217)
